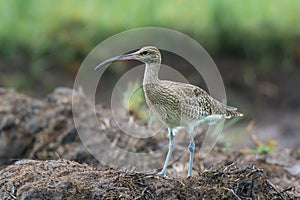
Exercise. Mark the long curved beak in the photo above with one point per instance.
(130, 56)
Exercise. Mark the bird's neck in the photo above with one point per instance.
(151, 73)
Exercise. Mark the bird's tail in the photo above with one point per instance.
(232, 112)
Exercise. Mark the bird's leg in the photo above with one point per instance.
(191, 149)
(171, 148)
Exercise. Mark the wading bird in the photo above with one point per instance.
(176, 104)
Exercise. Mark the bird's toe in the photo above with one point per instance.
(162, 175)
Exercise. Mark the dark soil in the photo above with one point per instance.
(61, 168)
(63, 179)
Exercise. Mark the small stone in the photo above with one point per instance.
(63, 90)
(4, 90)
(8, 122)
(294, 170)
(33, 126)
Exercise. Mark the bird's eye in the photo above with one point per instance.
(144, 53)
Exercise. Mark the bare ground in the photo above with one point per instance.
(63, 179)
(59, 167)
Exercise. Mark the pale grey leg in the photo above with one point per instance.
(171, 148)
(191, 149)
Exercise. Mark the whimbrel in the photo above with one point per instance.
(176, 104)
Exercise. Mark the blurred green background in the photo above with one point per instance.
(255, 44)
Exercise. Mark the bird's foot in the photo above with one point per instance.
(189, 175)
(162, 174)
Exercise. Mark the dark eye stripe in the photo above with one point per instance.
(144, 52)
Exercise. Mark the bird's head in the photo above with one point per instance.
(148, 54)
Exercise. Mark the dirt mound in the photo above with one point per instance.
(45, 130)
(63, 179)
(39, 129)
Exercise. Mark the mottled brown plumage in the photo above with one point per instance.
(176, 104)
(182, 103)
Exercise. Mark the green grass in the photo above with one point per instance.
(253, 23)
(61, 33)
(134, 101)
